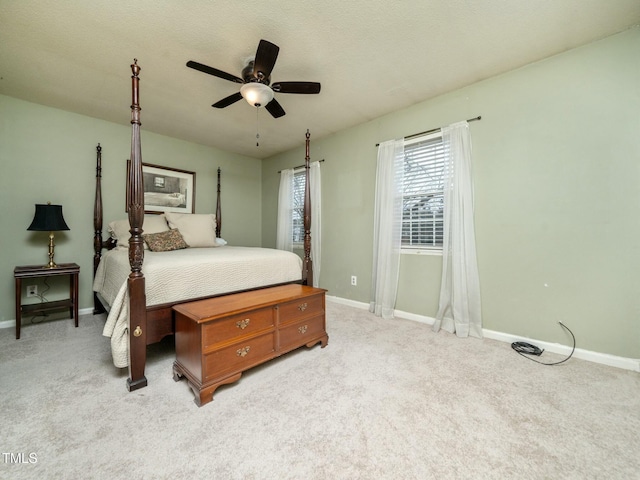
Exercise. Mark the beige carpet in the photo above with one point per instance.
(384, 400)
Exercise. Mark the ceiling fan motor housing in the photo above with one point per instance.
(247, 75)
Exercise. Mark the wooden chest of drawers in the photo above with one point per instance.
(219, 338)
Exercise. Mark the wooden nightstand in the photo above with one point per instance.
(35, 271)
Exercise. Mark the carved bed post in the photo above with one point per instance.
(97, 227)
(218, 210)
(137, 297)
(307, 264)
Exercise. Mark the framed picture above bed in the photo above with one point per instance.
(166, 189)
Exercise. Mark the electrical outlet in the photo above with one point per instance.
(354, 280)
(32, 290)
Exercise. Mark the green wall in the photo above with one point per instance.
(49, 155)
(557, 186)
(557, 183)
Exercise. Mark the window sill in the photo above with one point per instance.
(421, 251)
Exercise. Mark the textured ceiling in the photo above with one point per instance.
(371, 57)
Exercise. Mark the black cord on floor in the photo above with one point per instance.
(524, 349)
(43, 299)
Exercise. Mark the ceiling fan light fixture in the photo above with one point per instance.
(256, 94)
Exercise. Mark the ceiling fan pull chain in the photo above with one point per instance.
(257, 129)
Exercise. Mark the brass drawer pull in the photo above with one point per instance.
(242, 352)
(302, 329)
(302, 307)
(242, 324)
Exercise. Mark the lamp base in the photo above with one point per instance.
(51, 263)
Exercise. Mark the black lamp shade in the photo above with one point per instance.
(48, 218)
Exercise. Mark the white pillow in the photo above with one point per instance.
(119, 229)
(198, 230)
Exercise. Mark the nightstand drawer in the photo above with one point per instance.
(239, 356)
(233, 327)
(300, 309)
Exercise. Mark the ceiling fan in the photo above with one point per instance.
(256, 77)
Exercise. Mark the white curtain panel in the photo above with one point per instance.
(316, 219)
(459, 310)
(284, 231)
(387, 232)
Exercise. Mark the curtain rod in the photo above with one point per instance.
(300, 166)
(434, 130)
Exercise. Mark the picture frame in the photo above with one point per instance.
(166, 189)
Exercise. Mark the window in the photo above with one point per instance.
(297, 212)
(423, 194)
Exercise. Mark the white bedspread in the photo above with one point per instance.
(185, 274)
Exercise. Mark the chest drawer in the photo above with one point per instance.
(300, 309)
(236, 326)
(296, 334)
(239, 356)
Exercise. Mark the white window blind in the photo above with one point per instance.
(423, 193)
(297, 211)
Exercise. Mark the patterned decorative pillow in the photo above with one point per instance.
(165, 241)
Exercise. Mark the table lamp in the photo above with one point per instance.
(48, 218)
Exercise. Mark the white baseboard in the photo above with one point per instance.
(8, 323)
(12, 322)
(346, 301)
(596, 357)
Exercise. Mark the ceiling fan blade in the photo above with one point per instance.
(296, 87)
(266, 56)
(225, 102)
(275, 109)
(214, 71)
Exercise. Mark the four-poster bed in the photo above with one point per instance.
(143, 315)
